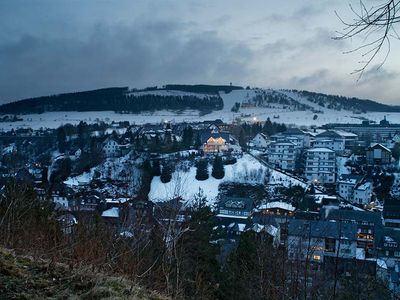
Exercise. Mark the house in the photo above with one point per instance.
(320, 165)
(346, 185)
(215, 145)
(260, 141)
(214, 140)
(378, 154)
(391, 214)
(368, 226)
(363, 193)
(62, 197)
(235, 208)
(269, 223)
(388, 246)
(111, 148)
(282, 155)
(315, 240)
(112, 216)
(278, 209)
(91, 202)
(67, 223)
(143, 210)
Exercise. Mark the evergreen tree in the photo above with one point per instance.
(218, 171)
(147, 167)
(187, 136)
(61, 139)
(202, 170)
(166, 173)
(198, 141)
(156, 170)
(199, 267)
(242, 139)
(44, 177)
(82, 129)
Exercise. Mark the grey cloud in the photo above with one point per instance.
(156, 53)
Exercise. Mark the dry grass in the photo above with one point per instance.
(22, 277)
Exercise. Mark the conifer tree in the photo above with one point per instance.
(202, 170)
(187, 136)
(166, 173)
(61, 139)
(218, 171)
(156, 170)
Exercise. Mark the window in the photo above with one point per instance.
(317, 257)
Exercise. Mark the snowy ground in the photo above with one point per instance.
(299, 118)
(246, 170)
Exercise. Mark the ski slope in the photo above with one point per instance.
(278, 113)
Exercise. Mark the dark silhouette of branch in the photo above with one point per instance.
(377, 25)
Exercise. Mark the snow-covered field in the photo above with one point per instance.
(246, 170)
(287, 116)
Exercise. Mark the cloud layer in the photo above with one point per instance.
(77, 46)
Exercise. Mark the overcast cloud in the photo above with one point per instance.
(53, 46)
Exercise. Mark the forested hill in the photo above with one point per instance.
(121, 99)
(204, 98)
(347, 103)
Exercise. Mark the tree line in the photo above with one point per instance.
(114, 99)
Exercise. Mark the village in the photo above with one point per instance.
(326, 196)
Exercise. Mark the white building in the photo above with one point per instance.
(320, 165)
(260, 141)
(346, 185)
(316, 240)
(337, 145)
(354, 189)
(282, 155)
(363, 193)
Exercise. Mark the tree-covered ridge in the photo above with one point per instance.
(264, 98)
(347, 103)
(114, 99)
(203, 88)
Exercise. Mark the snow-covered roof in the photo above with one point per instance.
(377, 145)
(111, 213)
(345, 133)
(117, 200)
(321, 150)
(277, 204)
(360, 253)
(364, 186)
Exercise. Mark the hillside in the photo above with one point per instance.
(204, 98)
(118, 100)
(22, 277)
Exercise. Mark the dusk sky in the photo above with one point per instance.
(53, 46)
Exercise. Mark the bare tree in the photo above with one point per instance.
(377, 24)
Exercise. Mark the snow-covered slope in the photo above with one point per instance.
(282, 106)
(246, 170)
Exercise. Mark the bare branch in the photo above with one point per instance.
(377, 25)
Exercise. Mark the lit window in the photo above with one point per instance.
(317, 257)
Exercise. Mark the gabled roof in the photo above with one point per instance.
(352, 215)
(329, 133)
(236, 203)
(111, 213)
(277, 204)
(350, 178)
(379, 146)
(320, 150)
(322, 229)
(293, 131)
